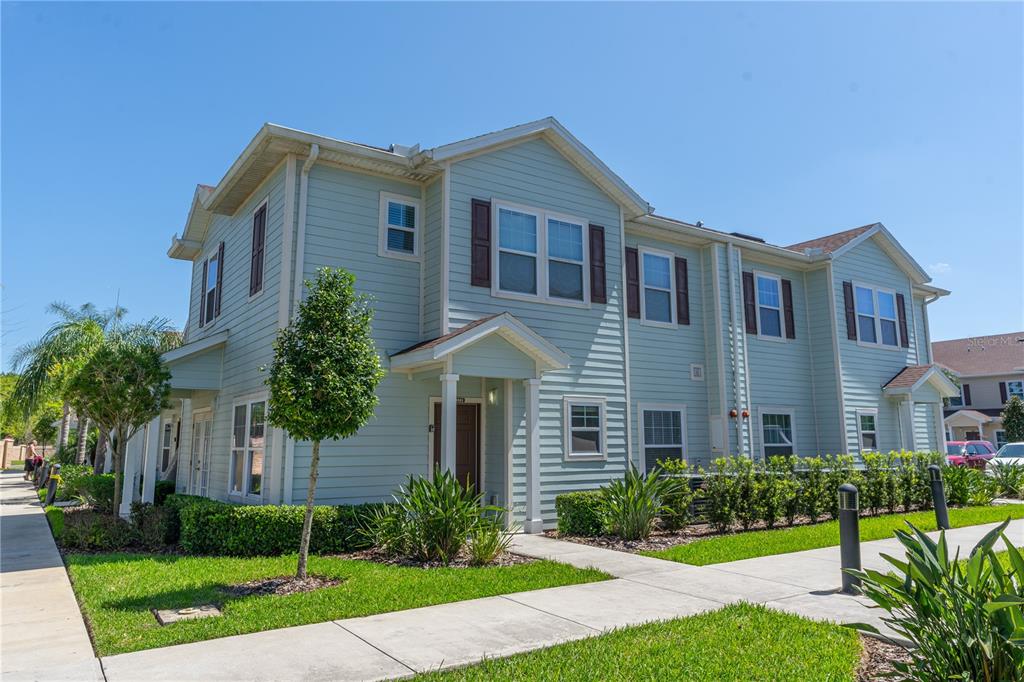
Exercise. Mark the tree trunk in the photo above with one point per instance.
(65, 426)
(307, 524)
(119, 473)
(101, 452)
(83, 437)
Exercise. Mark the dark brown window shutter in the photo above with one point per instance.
(598, 286)
(787, 308)
(480, 256)
(967, 394)
(682, 291)
(259, 233)
(202, 295)
(1002, 392)
(632, 282)
(749, 305)
(901, 311)
(851, 312)
(220, 279)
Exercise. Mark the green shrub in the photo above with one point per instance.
(488, 540)
(93, 530)
(580, 513)
(964, 619)
(678, 497)
(746, 483)
(814, 493)
(1009, 479)
(148, 524)
(719, 489)
(211, 527)
(172, 520)
(71, 477)
(55, 515)
(775, 490)
(634, 502)
(98, 491)
(161, 491)
(967, 486)
(840, 470)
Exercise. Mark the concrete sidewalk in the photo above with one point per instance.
(404, 642)
(42, 635)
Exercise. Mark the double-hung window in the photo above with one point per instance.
(663, 431)
(1015, 388)
(769, 305)
(956, 401)
(777, 432)
(877, 322)
(399, 226)
(541, 255)
(584, 428)
(248, 443)
(657, 275)
(867, 430)
(209, 300)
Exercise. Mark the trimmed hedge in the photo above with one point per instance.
(55, 515)
(211, 527)
(98, 490)
(161, 490)
(580, 513)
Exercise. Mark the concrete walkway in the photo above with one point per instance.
(42, 635)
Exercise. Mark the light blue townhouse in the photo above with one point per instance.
(542, 328)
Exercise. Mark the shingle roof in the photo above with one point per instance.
(832, 242)
(430, 343)
(980, 355)
(908, 376)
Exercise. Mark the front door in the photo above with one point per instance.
(467, 441)
(200, 460)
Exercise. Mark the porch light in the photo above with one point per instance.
(492, 396)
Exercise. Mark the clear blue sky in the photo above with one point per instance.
(787, 121)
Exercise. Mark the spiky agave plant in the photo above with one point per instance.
(634, 502)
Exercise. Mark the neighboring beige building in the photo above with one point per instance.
(991, 369)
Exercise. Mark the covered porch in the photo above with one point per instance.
(488, 406)
(918, 391)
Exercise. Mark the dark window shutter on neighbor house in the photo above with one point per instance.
(259, 234)
(851, 312)
(632, 282)
(1002, 392)
(220, 279)
(749, 305)
(901, 311)
(202, 295)
(682, 291)
(598, 286)
(787, 308)
(480, 257)
(967, 394)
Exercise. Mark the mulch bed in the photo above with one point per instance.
(877, 658)
(506, 559)
(281, 585)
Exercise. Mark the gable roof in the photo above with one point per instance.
(832, 242)
(912, 377)
(982, 355)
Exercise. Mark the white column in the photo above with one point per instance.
(910, 421)
(151, 452)
(534, 523)
(940, 427)
(449, 387)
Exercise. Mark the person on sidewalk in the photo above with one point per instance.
(30, 460)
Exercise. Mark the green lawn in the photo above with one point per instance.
(117, 591)
(723, 548)
(740, 642)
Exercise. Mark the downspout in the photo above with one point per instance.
(740, 448)
(300, 262)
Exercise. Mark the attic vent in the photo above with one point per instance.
(747, 236)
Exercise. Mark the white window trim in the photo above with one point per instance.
(781, 308)
(1010, 394)
(207, 322)
(995, 438)
(567, 403)
(671, 290)
(661, 407)
(266, 225)
(877, 316)
(762, 411)
(248, 401)
(542, 217)
(382, 227)
(866, 412)
(962, 402)
(170, 447)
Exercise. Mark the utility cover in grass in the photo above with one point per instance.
(168, 616)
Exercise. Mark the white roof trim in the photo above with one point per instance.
(547, 355)
(892, 247)
(969, 414)
(549, 126)
(934, 376)
(196, 347)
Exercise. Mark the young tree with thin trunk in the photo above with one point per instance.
(325, 373)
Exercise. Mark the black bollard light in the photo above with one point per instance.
(938, 497)
(849, 535)
(51, 487)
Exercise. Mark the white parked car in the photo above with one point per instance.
(1009, 454)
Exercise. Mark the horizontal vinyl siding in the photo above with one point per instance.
(924, 428)
(534, 174)
(433, 246)
(823, 363)
(493, 356)
(866, 369)
(660, 358)
(493, 456)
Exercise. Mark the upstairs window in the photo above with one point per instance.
(1015, 388)
(565, 259)
(517, 251)
(399, 226)
(210, 286)
(656, 274)
(769, 306)
(877, 321)
(777, 433)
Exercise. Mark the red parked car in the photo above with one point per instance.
(971, 453)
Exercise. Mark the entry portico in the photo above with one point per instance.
(496, 347)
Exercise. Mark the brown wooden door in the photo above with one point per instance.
(467, 441)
